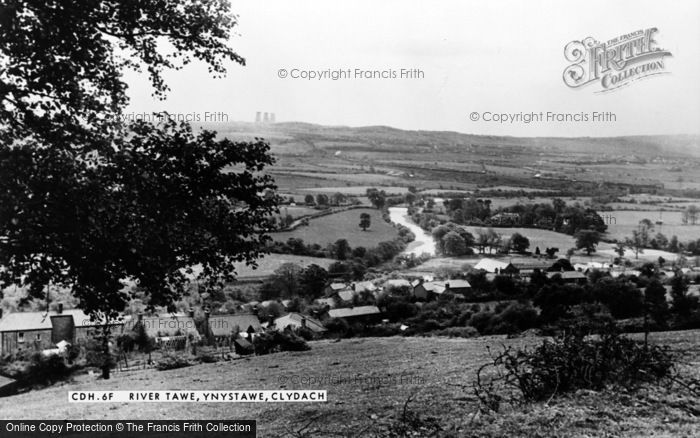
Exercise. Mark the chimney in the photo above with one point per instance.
(258, 117)
(191, 313)
(139, 317)
(266, 118)
(206, 314)
(59, 309)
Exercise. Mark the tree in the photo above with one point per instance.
(410, 198)
(454, 244)
(287, 279)
(341, 249)
(587, 240)
(620, 249)
(322, 200)
(313, 280)
(639, 240)
(377, 198)
(655, 303)
(690, 215)
(682, 304)
(519, 243)
(87, 200)
(309, 200)
(365, 221)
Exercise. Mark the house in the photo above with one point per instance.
(569, 276)
(398, 283)
(491, 265)
(224, 326)
(363, 286)
(428, 290)
(334, 288)
(458, 287)
(166, 326)
(297, 320)
(43, 330)
(346, 295)
(330, 302)
(505, 219)
(360, 313)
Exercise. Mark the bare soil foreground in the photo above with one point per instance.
(369, 381)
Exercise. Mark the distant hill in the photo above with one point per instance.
(398, 140)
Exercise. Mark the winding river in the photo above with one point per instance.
(424, 242)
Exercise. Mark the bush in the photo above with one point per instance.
(273, 341)
(171, 362)
(458, 332)
(571, 362)
(37, 369)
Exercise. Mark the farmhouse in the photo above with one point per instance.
(43, 330)
(360, 313)
(505, 219)
(496, 267)
(224, 326)
(397, 284)
(569, 276)
(363, 286)
(297, 320)
(175, 324)
(334, 288)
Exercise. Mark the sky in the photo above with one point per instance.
(485, 57)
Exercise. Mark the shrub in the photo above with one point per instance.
(171, 362)
(273, 341)
(459, 332)
(571, 362)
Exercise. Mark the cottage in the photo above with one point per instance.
(363, 286)
(492, 266)
(569, 276)
(428, 290)
(296, 320)
(43, 330)
(334, 288)
(360, 313)
(458, 287)
(399, 283)
(167, 326)
(225, 326)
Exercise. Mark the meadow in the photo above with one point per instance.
(344, 225)
(369, 381)
(621, 223)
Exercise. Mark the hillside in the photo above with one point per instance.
(378, 138)
(368, 382)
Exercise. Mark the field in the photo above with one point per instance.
(621, 223)
(268, 264)
(368, 382)
(344, 225)
(542, 238)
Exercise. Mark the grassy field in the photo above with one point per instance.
(343, 225)
(368, 382)
(268, 264)
(542, 238)
(621, 224)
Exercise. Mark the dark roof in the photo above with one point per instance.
(224, 325)
(311, 323)
(168, 325)
(350, 312)
(568, 275)
(26, 321)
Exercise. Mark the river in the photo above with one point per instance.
(423, 243)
